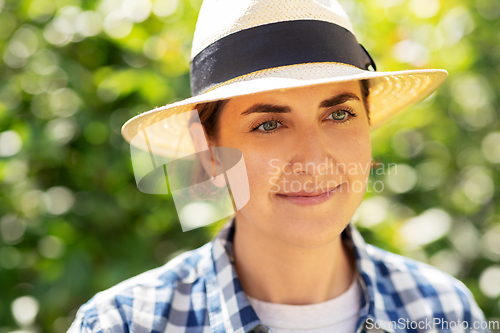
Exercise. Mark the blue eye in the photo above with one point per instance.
(269, 125)
(339, 115)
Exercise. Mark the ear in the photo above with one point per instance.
(205, 155)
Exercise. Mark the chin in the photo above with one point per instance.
(311, 232)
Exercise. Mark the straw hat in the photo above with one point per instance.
(244, 47)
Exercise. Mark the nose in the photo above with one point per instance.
(312, 151)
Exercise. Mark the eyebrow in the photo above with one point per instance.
(266, 108)
(273, 108)
(339, 99)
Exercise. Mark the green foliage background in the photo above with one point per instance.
(72, 221)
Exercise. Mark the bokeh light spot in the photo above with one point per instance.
(58, 200)
(401, 178)
(426, 227)
(10, 143)
(24, 309)
(488, 281)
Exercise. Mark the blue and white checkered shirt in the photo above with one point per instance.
(199, 291)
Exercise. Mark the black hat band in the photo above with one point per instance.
(273, 45)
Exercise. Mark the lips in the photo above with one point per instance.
(304, 193)
(314, 193)
(305, 198)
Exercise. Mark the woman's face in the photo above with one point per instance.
(297, 144)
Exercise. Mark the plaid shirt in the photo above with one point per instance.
(199, 291)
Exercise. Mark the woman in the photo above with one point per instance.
(286, 84)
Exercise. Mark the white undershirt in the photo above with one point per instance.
(336, 315)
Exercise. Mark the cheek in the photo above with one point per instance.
(356, 155)
(262, 169)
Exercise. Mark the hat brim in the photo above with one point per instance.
(390, 93)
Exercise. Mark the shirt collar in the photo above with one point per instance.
(230, 311)
(372, 302)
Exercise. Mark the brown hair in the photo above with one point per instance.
(365, 92)
(210, 112)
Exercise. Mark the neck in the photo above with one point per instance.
(275, 271)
